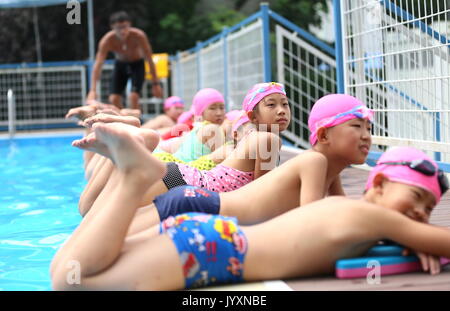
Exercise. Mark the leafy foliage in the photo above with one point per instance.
(171, 25)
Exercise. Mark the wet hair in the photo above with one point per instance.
(119, 17)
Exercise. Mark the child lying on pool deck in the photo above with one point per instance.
(341, 124)
(198, 249)
(256, 153)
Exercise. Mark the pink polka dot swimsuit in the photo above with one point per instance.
(219, 179)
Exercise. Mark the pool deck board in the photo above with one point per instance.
(354, 180)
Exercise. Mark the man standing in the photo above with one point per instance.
(130, 46)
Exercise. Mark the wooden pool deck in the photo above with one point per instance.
(354, 180)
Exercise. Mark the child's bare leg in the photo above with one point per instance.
(101, 163)
(92, 167)
(81, 113)
(106, 181)
(145, 218)
(158, 188)
(96, 185)
(87, 158)
(97, 243)
(112, 183)
(95, 166)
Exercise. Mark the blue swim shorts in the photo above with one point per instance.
(185, 199)
(212, 248)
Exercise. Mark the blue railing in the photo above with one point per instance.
(408, 18)
(416, 23)
(266, 15)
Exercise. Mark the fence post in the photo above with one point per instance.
(91, 33)
(266, 41)
(437, 155)
(179, 77)
(199, 65)
(338, 46)
(11, 113)
(225, 66)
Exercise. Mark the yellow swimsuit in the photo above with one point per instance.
(202, 163)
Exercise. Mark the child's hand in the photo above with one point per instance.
(428, 262)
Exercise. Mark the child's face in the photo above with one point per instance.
(273, 111)
(215, 113)
(412, 201)
(174, 112)
(351, 139)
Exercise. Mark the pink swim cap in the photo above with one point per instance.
(185, 116)
(233, 115)
(243, 118)
(204, 98)
(259, 91)
(173, 101)
(331, 110)
(397, 169)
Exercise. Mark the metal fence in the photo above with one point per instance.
(245, 62)
(240, 56)
(149, 105)
(307, 74)
(231, 63)
(45, 92)
(397, 60)
(395, 57)
(42, 94)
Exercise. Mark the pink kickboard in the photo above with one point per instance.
(385, 269)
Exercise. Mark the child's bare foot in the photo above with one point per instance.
(109, 118)
(91, 143)
(131, 112)
(149, 138)
(81, 112)
(129, 153)
(113, 112)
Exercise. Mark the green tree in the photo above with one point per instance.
(171, 25)
(224, 18)
(301, 12)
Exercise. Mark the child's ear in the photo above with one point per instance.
(252, 116)
(379, 181)
(322, 135)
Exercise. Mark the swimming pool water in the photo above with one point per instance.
(41, 180)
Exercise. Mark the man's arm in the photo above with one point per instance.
(99, 60)
(156, 88)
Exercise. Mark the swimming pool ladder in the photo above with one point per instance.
(11, 113)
